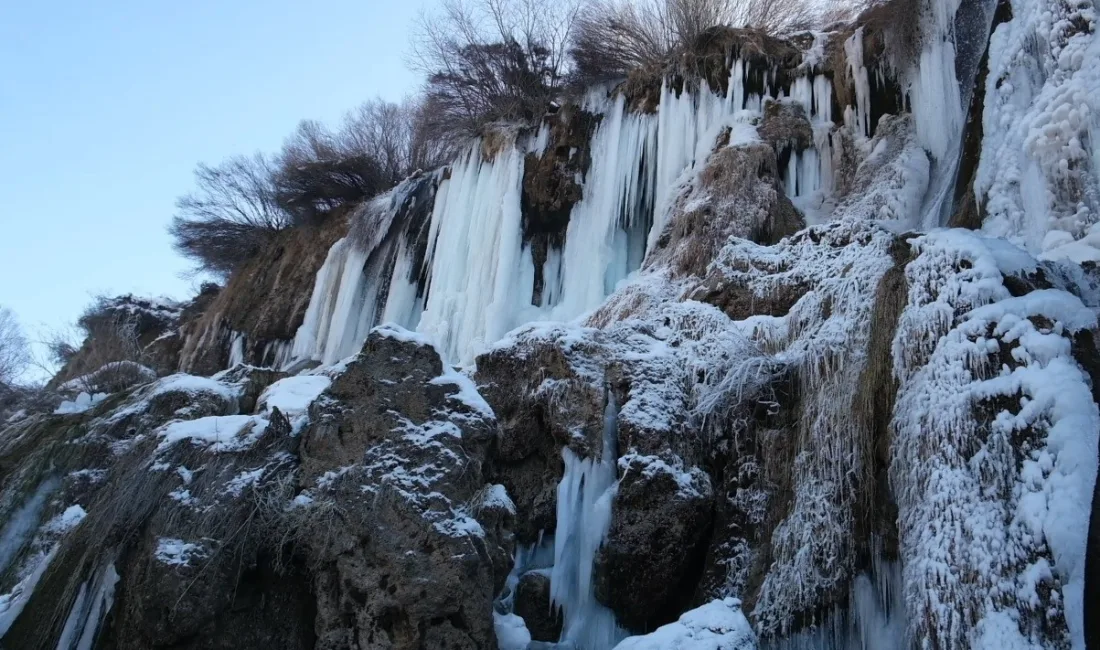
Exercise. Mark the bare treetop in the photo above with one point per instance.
(14, 349)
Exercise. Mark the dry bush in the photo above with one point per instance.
(490, 61)
(390, 132)
(230, 215)
(377, 145)
(104, 353)
(317, 174)
(614, 37)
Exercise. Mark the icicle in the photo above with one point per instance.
(939, 102)
(476, 296)
(934, 90)
(86, 616)
(688, 128)
(308, 341)
(860, 121)
(279, 354)
(584, 515)
(616, 196)
(541, 140)
(403, 303)
(874, 620)
(236, 348)
(551, 278)
(23, 522)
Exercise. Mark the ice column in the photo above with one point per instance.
(584, 516)
(478, 289)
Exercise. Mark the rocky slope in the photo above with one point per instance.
(694, 364)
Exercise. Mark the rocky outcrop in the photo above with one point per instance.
(415, 546)
(542, 404)
(125, 329)
(199, 526)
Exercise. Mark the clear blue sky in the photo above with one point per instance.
(106, 107)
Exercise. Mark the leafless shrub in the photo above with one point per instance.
(490, 61)
(62, 346)
(318, 173)
(613, 37)
(103, 353)
(377, 146)
(389, 132)
(229, 216)
(775, 17)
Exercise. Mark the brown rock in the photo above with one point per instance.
(534, 606)
(661, 522)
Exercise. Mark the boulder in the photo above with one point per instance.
(412, 545)
(662, 517)
(534, 606)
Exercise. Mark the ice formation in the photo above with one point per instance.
(477, 274)
(584, 514)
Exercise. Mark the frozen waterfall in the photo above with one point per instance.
(471, 279)
(584, 516)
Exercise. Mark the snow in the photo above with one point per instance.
(467, 392)
(218, 433)
(185, 383)
(90, 475)
(66, 521)
(718, 625)
(511, 632)
(693, 483)
(238, 483)
(398, 333)
(176, 552)
(497, 497)
(293, 396)
(82, 403)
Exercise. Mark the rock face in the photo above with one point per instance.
(413, 549)
(542, 404)
(264, 302)
(199, 526)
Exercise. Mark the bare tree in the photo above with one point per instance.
(614, 37)
(777, 17)
(385, 131)
(491, 60)
(14, 349)
(230, 214)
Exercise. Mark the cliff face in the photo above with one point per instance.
(693, 360)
